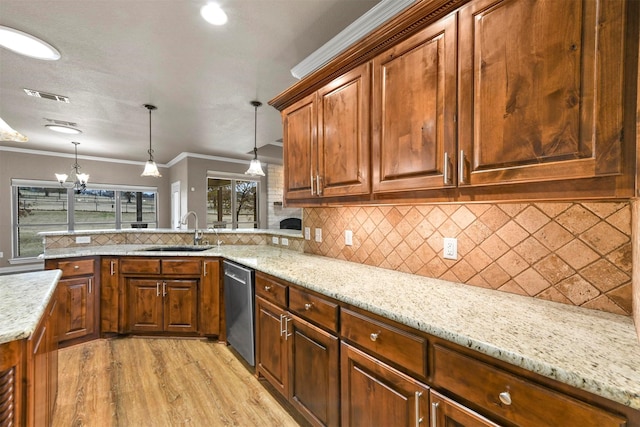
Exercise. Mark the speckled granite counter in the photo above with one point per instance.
(591, 350)
(23, 299)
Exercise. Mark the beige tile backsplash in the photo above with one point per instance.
(574, 253)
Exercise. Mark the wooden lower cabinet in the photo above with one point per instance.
(375, 394)
(162, 305)
(300, 360)
(210, 297)
(314, 386)
(449, 413)
(42, 369)
(11, 384)
(79, 300)
(109, 295)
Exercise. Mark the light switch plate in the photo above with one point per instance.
(319, 235)
(307, 233)
(284, 241)
(83, 239)
(450, 248)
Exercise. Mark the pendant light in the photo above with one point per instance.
(255, 168)
(150, 168)
(79, 179)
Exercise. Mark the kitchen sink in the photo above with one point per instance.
(181, 248)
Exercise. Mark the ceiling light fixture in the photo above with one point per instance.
(63, 129)
(150, 168)
(27, 45)
(7, 133)
(79, 179)
(376, 16)
(213, 14)
(255, 168)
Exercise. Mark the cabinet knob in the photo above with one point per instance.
(505, 398)
(374, 336)
(267, 288)
(307, 306)
(76, 267)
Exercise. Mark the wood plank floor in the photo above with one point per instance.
(160, 382)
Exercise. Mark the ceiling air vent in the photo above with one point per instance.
(61, 122)
(45, 95)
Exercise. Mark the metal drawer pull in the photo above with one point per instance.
(286, 327)
(417, 403)
(157, 289)
(308, 306)
(434, 414)
(267, 288)
(461, 170)
(204, 266)
(505, 398)
(318, 189)
(76, 267)
(446, 172)
(374, 336)
(164, 289)
(311, 177)
(113, 268)
(283, 330)
(90, 285)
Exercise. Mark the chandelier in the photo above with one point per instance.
(79, 179)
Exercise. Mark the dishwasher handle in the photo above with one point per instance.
(236, 278)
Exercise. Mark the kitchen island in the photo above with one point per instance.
(590, 350)
(28, 349)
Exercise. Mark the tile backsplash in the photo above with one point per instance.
(573, 253)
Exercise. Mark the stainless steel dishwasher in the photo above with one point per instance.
(239, 297)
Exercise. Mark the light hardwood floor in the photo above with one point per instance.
(160, 382)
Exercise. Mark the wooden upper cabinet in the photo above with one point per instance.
(413, 109)
(343, 135)
(541, 90)
(300, 140)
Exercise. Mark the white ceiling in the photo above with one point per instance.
(120, 54)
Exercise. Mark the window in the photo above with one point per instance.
(232, 203)
(45, 206)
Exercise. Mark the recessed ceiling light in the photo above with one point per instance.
(26, 44)
(213, 14)
(63, 129)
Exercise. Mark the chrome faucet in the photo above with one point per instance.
(197, 235)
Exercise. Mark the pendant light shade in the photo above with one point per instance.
(150, 168)
(79, 179)
(255, 168)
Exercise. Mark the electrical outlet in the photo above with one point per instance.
(284, 241)
(1, 254)
(307, 233)
(274, 240)
(348, 237)
(83, 239)
(319, 235)
(450, 248)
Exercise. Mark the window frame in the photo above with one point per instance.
(70, 224)
(233, 178)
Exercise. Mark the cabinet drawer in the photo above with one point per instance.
(181, 266)
(271, 290)
(398, 346)
(511, 397)
(314, 308)
(76, 268)
(139, 265)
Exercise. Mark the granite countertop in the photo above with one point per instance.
(588, 349)
(269, 231)
(23, 299)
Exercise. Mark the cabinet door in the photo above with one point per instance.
(210, 298)
(109, 296)
(77, 298)
(544, 103)
(300, 144)
(38, 378)
(343, 134)
(314, 387)
(414, 108)
(446, 412)
(374, 394)
(271, 345)
(180, 305)
(52, 355)
(145, 305)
